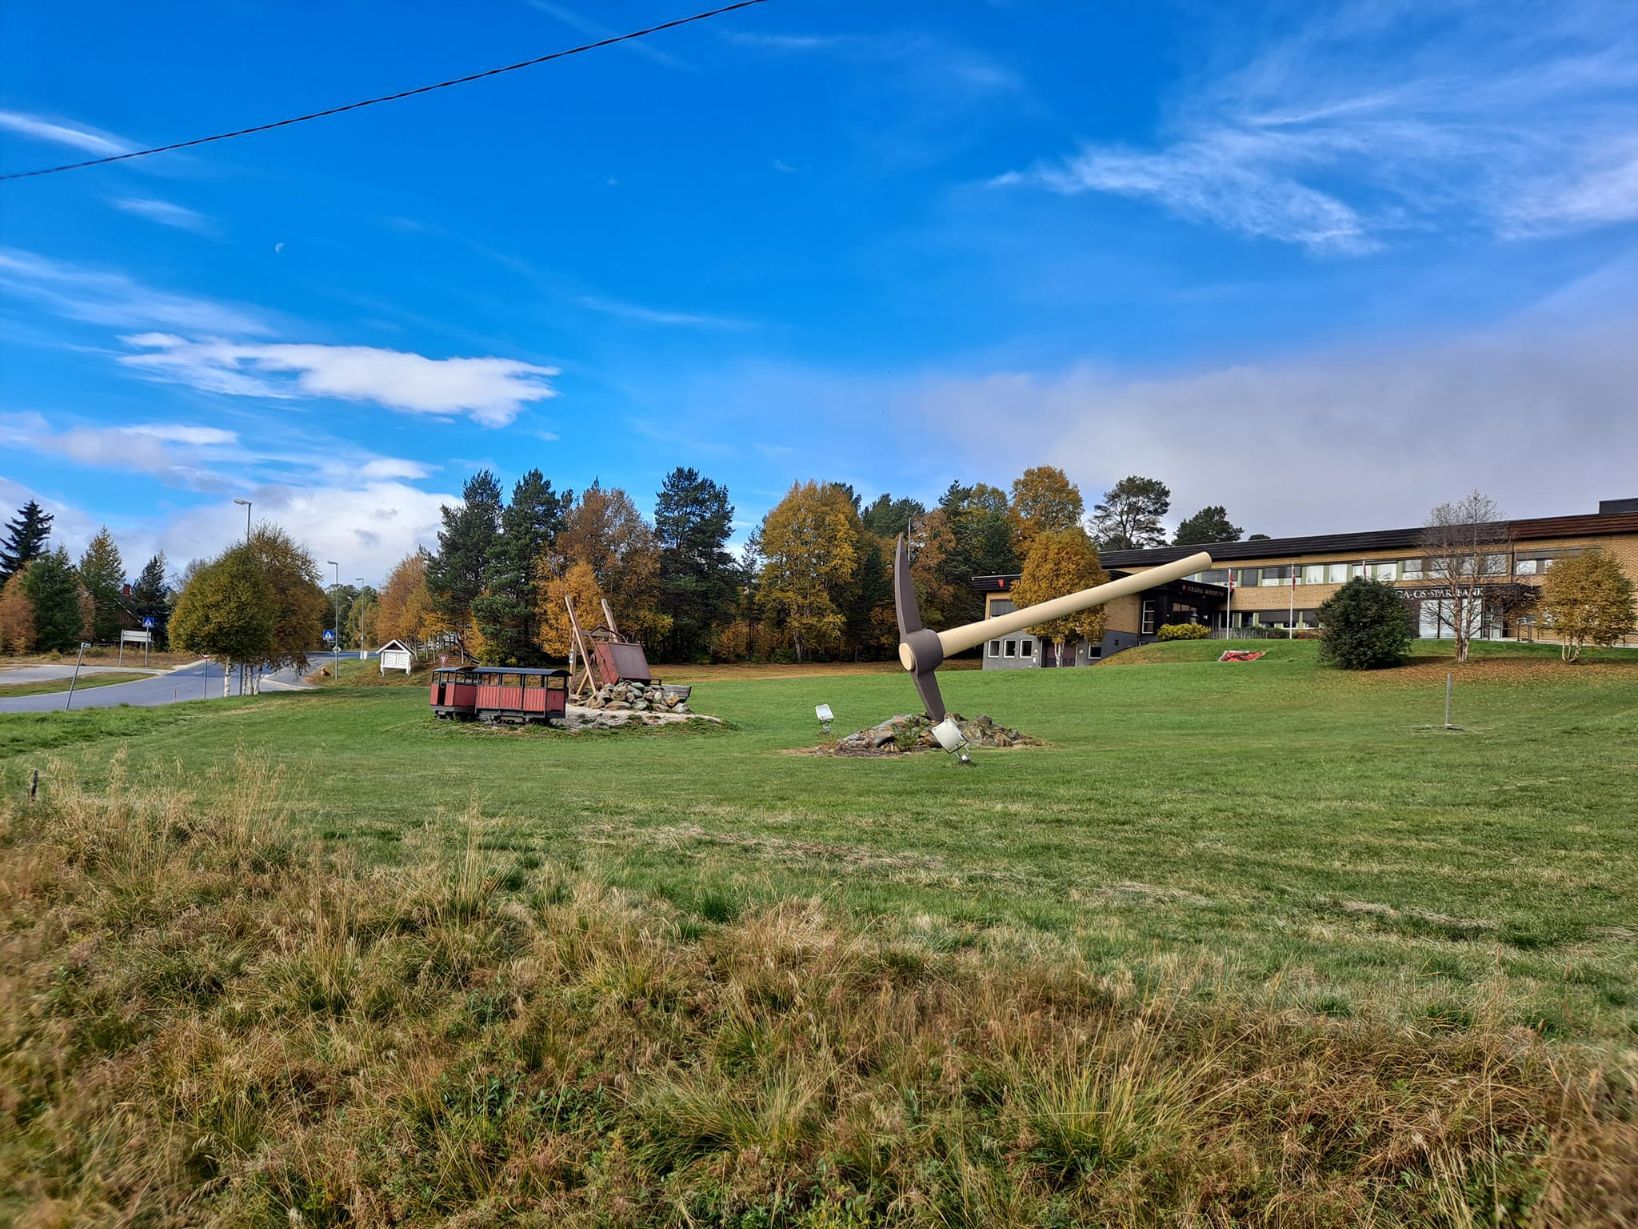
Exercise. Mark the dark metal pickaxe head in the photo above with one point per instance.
(920, 651)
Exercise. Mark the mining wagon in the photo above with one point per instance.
(500, 693)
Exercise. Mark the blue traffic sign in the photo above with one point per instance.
(148, 624)
(328, 635)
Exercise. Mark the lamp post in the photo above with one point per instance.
(246, 503)
(358, 582)
(226, 666)
(335, 641)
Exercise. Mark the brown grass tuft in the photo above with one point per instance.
(209, 1021)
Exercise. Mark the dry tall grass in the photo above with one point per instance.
(209, 1021)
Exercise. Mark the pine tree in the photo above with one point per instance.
(1210, 524)
(1129, 516)
(26, 536)
(889, 517)
(692, 521)
(102, 572)
(151, 596)
(54, 590)
(505, 611)
(457, 573)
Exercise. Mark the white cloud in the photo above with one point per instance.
(1376, 119)
(368, 527)
(166, 213)
(490, 390)
(392, 467)
(1539, 418)
(99, 296)
(58, 132)
(186, 456)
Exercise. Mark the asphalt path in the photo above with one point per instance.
(200, 681)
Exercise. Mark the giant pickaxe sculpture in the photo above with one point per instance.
(922, 649)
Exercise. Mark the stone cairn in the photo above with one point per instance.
(634, 697)
(914, 732)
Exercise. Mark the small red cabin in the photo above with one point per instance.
(500, 693)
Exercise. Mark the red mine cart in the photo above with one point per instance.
(500, 693)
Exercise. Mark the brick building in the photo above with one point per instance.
(1270, 586)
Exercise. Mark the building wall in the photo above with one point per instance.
(1278, 598)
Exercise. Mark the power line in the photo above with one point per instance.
(370, 102)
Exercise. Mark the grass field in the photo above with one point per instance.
(47, 686)
(1303, 829)
(1239, 945)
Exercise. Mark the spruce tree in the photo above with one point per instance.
(59, 619)
(692, 520)
(1210, 524)
(457, 573)
(505, 610)
(151, 596)
(25, 541)
(102, 572)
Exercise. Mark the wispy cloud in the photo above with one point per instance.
(650, 315)
(490, 390)
(82, 137)
(99, 296)
(594, 29)
(1376, 119)
(166, 213)
(180, 454)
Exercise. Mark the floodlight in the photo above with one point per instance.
(823, 713)
(951, 738)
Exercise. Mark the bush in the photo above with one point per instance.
(1182, 631)
(1365, 625)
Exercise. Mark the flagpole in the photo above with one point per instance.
(1291, 623)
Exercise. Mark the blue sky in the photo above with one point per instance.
(1327, 268)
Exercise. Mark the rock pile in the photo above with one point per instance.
(632, 697)
(914, 732)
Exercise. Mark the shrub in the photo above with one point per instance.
(1365, 625)
(1182, 631)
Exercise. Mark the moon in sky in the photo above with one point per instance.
(277, 248)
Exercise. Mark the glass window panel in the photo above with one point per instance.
(995, 648)
(1336, 573)
(1313, 574)
(1386, 571)
(1026, 648)
(1012, 648)
(1526, 567)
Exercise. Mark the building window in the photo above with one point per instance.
(1274, 577)
(1313, 574)
(1246, 578)
(1026, 648)
(1000, 606)
(1012, 648)
(1214, 576)
(1388, 571)
(1412, 569)
(995, 648)
(1336, 573)
(1148, 624)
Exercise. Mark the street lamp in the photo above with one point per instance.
(359, 582)
(335, 641)
(246, 503)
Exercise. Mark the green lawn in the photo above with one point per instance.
(1300, 833)
(47, 686)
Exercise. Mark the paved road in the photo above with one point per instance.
(50, 673)
(200, 681)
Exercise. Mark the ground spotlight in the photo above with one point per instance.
(822, 711)
(951, 738)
